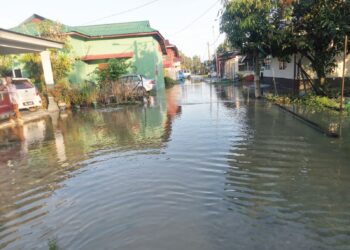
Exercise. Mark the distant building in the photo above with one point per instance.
(94, 45)
(231, 64)
(172, 61)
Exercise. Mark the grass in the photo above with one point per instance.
(52, 244)
(316, 102)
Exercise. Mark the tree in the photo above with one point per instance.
(61, 60)
(107, 77)
(5, 64)
(319, 31)
(186, 61)
(224, 47)
(196, 64)
(247, 24)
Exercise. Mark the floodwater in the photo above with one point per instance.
(201, 167)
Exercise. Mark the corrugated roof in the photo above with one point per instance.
(113, 28)
(31, 28)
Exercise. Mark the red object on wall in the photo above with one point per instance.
(107, 56)
(6, 107)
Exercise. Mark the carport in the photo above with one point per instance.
(16, 43)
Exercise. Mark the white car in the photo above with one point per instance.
(28, 95)
(187, 74)
(138, 82)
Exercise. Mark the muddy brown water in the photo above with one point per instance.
(200, 167)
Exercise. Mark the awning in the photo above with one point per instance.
(16, 43)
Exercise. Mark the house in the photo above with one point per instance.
(12, 43)
(93, 45)
(172, 61)
(284, 75)
(231, 64)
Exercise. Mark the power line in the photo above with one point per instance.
(124, 11)
(197, 19)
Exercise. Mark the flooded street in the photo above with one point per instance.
(202, 167)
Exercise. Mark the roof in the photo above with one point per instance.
(111, 30)
(16, 43)
(172, 46)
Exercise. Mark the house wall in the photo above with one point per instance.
(172, 65)
(147, 59)
(284, 78)
(231, 68)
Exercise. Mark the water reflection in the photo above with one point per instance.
(286, 183)
(36, 158)
(199, 167)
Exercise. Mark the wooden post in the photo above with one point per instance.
(344, 65)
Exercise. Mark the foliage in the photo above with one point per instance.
(186, 61)
(169, 82)
(313, 101)
(5, 64)
(60, 92)
(224, 47)
(197, 66)
(61, 60)
(247, 24)
(52, 244)
(112, 71)
(313, 29)
(83, 94)
(193, 64)
(33, 68)
(320, 28)
(107, 78)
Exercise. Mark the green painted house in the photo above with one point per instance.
(94, 45)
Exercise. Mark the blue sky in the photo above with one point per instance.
(168, 16)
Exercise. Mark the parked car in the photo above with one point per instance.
(28, 95)
(138, 82)
(180, 76)
(187, 74)
(212, 74)
(6, 107)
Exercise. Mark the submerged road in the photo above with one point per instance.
(201, 167)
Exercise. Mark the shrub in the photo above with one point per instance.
(169, 82)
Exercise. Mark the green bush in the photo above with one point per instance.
(169, 82)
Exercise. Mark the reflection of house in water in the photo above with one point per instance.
(37, 158)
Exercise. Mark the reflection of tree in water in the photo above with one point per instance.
(285, 173)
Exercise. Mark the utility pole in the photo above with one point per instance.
(215, 54)
(209, 64)
(343, 81)
(209, 51)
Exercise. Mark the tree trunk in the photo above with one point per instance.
(320, 84)
(257, 75)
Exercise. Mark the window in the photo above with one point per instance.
(267, 63)
(17, 73)
(22, 84)
(282, 65)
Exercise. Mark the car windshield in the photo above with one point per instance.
(22, 84)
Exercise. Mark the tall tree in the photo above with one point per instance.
(319, 30)
(247, 25)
